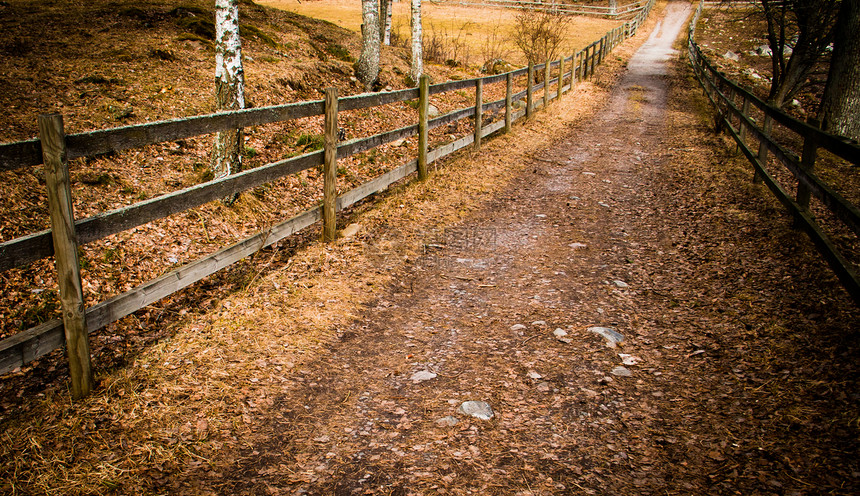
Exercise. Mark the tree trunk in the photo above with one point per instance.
(229, 85)
(840, 107)
(417, 67)
(812, 22)
(385, 8)
(367, 70)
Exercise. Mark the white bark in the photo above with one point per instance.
(367, 70)
(417, 67)
(385, 7)
(229, 85)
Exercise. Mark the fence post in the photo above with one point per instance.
(576, 71)
(584, 61)
(546, 84)
(53, 138)
(762, 147)
(560, 75)
(745, 110)
(509, 88)
(600, 51)
(807, 163)
(530, 90)
(330, 166)
(479, 109)
(423, 111)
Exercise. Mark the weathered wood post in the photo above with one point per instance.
(423, 111)
(530, 90)
(330, 167)
(53, 138)
(745, 110)
(509, 90)
(479, 109)
(807, 163)
(546, 83)
(560, 76)
(584, 63)
(576, 71)
(601, 49)
(762, 146)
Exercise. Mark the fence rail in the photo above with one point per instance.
(32, 343)
(618, 12)
(723, 93)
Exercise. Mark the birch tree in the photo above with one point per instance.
(229, 85)
(417, 67)
(367, 70)
(385, 21)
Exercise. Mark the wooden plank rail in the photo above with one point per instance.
(32, 343)
(722, 92)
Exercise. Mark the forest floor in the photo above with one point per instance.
(739, 370)
(341, 369)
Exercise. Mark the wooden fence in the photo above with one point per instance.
(626, 11)
(54, 149)
(734, 104)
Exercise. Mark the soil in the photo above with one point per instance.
(740, 344)
(744, 374)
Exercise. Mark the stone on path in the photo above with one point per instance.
(517, 327)
(561, 335)
(448, 421)
(621, 284)
(629, 359)
(612, 337)
(621, 371)
(422, 375)
(478, 409)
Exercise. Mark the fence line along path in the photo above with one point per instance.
(744, 116)
(67, 234)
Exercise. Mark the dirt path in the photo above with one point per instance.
(723, 391)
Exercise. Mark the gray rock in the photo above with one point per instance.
(621, 284)
(517, 327)
(433, 111)
(730, 55)
(448, 421)
(478, 409)
(612, 337)
(763, 51)
(422, 375)
(621, 371)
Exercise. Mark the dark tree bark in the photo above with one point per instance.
(811, 22)
(840, 107)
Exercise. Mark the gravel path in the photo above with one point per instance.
(713, 389)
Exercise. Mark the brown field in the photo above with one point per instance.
(485, 32)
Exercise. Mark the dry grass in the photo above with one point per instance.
(191, 401)
(187, 403)
(492, 27)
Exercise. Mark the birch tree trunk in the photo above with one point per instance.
(229, 85)
(840, 107)
(416, 70)
(385, 21)
(367, 70)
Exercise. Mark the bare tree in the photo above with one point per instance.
(798, 32)
(229, 85)
(416, 69)
(539, 34)
(367, 69)
(840, 106)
